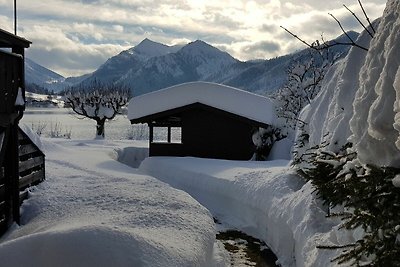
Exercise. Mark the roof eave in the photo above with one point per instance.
(8, 39)
(155, 116)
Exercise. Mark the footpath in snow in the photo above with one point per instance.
(266, 200)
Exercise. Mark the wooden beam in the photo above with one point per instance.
(2, 192)
(31, 163)
(151, 132)
(26, 149)
(22, 196)
(31, 179)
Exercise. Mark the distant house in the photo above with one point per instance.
(202, 119)
(21, 161)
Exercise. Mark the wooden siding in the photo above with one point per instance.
(3, 221)
(31, 172)
(10, 80)
(209, 133)
(31, 162)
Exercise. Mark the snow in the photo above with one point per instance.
(55, 99)
(264, 199)
(359, 100)
(219, 96)
(396, 181)
(148, 49)
(19, 101)
(32, 135)
(375, 123)
(95, 211)
(328, 115)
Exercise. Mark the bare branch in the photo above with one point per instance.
(359, 21)
(366, 16)
(347, 35)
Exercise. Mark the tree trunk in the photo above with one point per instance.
(100, 129)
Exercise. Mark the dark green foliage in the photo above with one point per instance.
(376, 204)
(372, 201)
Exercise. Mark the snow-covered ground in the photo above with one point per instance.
(95, 211)
(264, 199)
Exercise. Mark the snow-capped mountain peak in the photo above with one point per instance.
(199, 47)
(149, 49)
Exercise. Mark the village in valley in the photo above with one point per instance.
(180, 154)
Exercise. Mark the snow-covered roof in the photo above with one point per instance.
(230, 99)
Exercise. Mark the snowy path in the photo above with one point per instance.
(266, 200)
(95, 211)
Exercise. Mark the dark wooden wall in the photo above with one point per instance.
(31, 171)
(209, 133)
(10, 80)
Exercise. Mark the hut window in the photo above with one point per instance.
(166, 135)
(160, 134)
(176, 135)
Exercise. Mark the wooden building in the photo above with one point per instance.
(202, 119)
(21, 162)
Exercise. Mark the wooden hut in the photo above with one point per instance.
(202, 119)
(15, 146)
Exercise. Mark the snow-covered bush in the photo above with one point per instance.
(263, 139)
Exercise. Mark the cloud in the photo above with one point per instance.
(261, 49)
(56, 50)
(118, 28)
(87, 32)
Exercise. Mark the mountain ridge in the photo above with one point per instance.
(150, 66)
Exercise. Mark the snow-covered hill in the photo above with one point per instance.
(41, 76)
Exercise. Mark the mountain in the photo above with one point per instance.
(129, 60)
(39, 76)
(193, 62)
(150, 66)
(199, 61)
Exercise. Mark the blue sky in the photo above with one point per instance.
(74, 37)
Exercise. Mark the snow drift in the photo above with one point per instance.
(264, 199)
(95, 211)
(376, 121)
(360, 98)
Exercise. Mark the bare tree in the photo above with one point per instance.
(303, 84)
(304, 78)
(98, 102)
